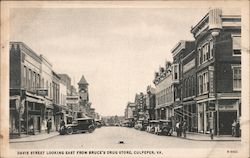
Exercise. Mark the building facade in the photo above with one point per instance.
(27, 108)
(188, 87)
(218, 37)
(164, 92)
(150, 102)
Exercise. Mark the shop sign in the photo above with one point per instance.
(42, 92)
(211, 79)
(189, 65)
(227, 107)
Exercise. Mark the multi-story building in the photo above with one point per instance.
(188, 87)
(27, 103)
(183, 81)
(67, 80)
(46, 83)
(55, 99)
(150, 102)
(140, 107)
(66, 112)
(164, 92)
(130, 114)
(218, 36)
(84, 103)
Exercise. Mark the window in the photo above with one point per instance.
(211, 47)
(24, 75)
(38, 81)
(236, 78)
(203, 82)
(236, 41)
(205, 52)
(176, 71)
(29, 79)
(34, 81)
(190, 87)
(193, 86)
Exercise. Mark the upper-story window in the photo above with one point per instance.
(236, 77)
(236, 41)
(203, 82)
(24, 75)
(175, 71)
(29, 79)
(205, 52)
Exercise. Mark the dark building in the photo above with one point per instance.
(188, 84)
(27, 104)
(150, 102)
(218, 37)
(179, 52)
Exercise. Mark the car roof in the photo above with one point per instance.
(79, 119)
(164, 120)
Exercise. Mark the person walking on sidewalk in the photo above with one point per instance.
(177, 128)
(49, 125)
(180, 129)
(184, 128)
(234, 128)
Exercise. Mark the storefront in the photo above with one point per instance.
(190, 115)
(218, 115)
(228, 110)
(27, 115)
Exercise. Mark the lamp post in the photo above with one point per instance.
(215, 33)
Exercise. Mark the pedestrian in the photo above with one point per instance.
(184, 128)
(49, 125)
(234, 128)
(237, 129)
(180, 129)
(177, 128)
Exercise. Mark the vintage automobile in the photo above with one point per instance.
(80, 125)
(165, 127)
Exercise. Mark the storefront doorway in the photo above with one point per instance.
(226, 119)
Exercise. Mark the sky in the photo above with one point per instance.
(116, 49)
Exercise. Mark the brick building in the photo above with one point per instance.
(27, 103)
(150, 102)
(218, 69)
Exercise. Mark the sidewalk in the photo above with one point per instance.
(33, 138)
(206, 137)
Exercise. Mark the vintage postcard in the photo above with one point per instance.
(124, 79)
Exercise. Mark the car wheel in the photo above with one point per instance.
(69, 130)
(91, 129)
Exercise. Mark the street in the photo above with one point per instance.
(109, 137)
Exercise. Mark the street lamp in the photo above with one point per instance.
(215, 33)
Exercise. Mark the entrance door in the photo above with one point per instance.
(226, 119)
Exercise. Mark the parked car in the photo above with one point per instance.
(165, 127)
(81, 125)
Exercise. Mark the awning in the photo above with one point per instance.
(177, 107)
(189, 102)
(30, 99)
(14, 97)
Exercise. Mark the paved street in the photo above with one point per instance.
(108, 137)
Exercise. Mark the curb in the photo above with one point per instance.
(34, 140)
(206, 139)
